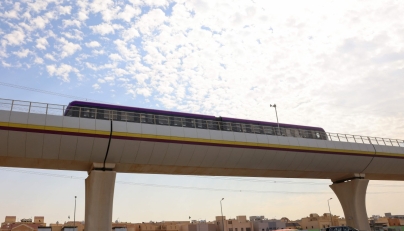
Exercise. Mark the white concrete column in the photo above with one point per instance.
(99, 200)
(352, 195)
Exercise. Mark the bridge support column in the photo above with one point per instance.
(352, 195)
(99, 200)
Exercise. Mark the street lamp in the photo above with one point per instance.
(221, 210)
(276, 112)
(330, 209)
(74, 220)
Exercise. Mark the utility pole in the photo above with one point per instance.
(330, 209)
(74, 220)
(276, 112)
(221, 210)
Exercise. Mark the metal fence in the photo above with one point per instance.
(94, 113)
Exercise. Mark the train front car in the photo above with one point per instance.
(269, 128)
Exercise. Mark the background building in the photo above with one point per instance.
(314, 221)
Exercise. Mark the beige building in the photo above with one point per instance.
(11, 224)
(199, 226)
(314, 221)
(239, 224)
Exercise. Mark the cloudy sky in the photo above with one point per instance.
(333, 64)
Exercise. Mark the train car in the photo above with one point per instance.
(142, 115)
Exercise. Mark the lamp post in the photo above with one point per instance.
(276, 112)
(330, 209)
(221, 210)
(74, 219)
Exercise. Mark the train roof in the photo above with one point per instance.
(137, 109)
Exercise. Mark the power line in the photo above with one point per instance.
(47, 92)
(182, 187)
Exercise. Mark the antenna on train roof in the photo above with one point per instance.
(277, 121)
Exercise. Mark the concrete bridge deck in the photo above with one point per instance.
(32, 140)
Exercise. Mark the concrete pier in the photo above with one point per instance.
(100, 187)
(352, 196)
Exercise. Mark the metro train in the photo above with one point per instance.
(170, 118)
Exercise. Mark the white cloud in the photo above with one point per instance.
(72, 22)
(82, 14)
(39, 22)
(5, 64)
(63, 10)
(22, 53)
(105, 28)
(62, 72)
(42, 43)
(151, 21)
(12, 14)
(130, 33)
(96, 86)
(75, 34)
(129, 12)
(38, 5)
(50, 57)
(115, 57)
(68, 48)
(14, 38)
(93, 44)
(38, 60)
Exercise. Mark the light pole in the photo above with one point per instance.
(330, 209)
(221, 210)
(74, 219)
(277, 121)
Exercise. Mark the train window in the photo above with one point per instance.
(236, 127)
(142, 118)
(247, 128)
(150, 119)
(114, 115)
(212, 125)
(282, 131)
(105, 114)
(200, 123)
(257, 129)
(268, 130)
(187, 122)
(226, 126)
(292, 132)
(123, 116)
(175, 121)
(75, 111)
(130, 117)
(162, 120)
(302, 133)
(85, 112)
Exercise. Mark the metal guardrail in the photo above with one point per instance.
(60, 110)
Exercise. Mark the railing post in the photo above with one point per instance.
(46, 112)
(338, 137)
(12, 105)
(29, 108)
